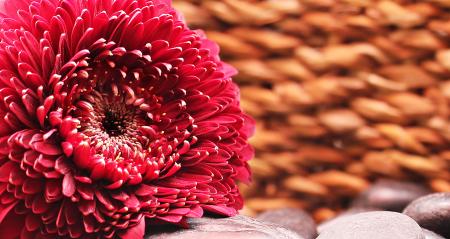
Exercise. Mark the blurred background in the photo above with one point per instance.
(344, 92)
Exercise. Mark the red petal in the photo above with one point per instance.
(86, 207)
(31, 186)
(134, 232)
(40, 113)
(98, 171)
(223, 210)
(68, 185)
(5, 170)
(104, 199)
(62, 166)
(60, 222)
(3, 187)
(196, 211)
(21, 114)
(86, 192)
(171, 218)
(67, 127)
(89, 224)
(53, 190)
(180, 211)
(83, 179)
(114, 185)
(132, 202)
(32, 222)
(145, 190)
(39, 205)
(67, 148)
(81, 155)
(47, 148)
(4, 209)
(11, 227)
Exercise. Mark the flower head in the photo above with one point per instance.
(113, 112)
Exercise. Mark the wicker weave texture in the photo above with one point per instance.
(344, 92)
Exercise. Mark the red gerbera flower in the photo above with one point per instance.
(113, 111)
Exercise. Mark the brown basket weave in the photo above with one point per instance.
(344, 92)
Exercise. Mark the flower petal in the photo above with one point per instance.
(4, 209)
(11, 226)
(135, 232)
(5, 170)
(81, 155)
(68, 185)
(223, 210)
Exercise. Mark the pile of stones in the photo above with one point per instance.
(387, 210)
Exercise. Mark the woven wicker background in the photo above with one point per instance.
(344, 92)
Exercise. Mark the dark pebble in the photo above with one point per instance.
(432, 212)
(390, 195)
(238, 227)
(430, 235)
(374, 225)
(295, 219)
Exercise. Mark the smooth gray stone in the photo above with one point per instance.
(324, 225)
(391, 195)
(238, 227)
(432, 212)
(374, 225)
(292, 218)
(431, 235)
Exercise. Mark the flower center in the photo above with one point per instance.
(132, 124)
(114, 123)
(108, 118)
